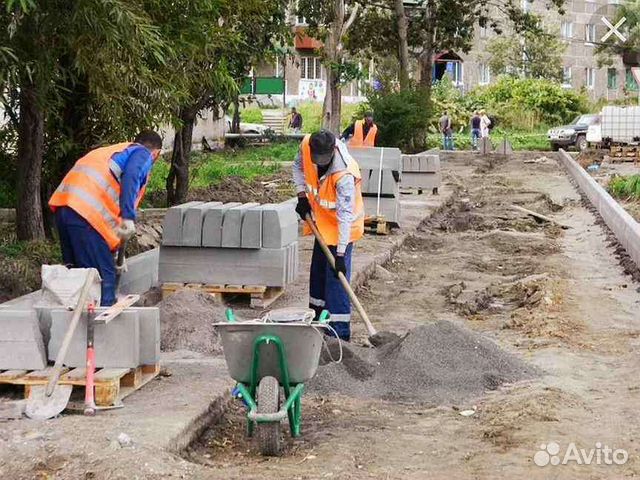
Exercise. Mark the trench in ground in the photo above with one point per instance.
(476, 262)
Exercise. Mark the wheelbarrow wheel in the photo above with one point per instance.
(269, 402)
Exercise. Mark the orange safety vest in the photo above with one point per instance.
(91, 189)
(359, 140)
(322, 197)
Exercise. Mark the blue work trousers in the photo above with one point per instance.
(475, 136)
(447, 141)
(83, 247)
(327, 293)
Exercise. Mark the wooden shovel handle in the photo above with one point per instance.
(343, 279)
(82, 301)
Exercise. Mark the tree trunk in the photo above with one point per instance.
(426, 57)
(235, 121)
(29, 224)
(403, 52)
(178, 178)
(333, 52)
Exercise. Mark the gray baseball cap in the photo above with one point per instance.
(322, 145)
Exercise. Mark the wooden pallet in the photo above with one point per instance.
(377, 225)
(624, 153)
(112, 385)
(259, 296)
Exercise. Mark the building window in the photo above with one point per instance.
(590, 77)
(630, 82)
(485, 73)
(484, 31)
(278, 70)
(300, 20)
(310, 68)
(566, 76)
(612, 79)
(566, 30)
(590, 33)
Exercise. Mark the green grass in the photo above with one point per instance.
(520, 140)
(251, 115)
(625, 187)
(312, 115)
(210, 168)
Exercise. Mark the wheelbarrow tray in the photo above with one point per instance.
(302, 344)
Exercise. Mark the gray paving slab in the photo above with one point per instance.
(388, 185)
(192, 223)
(212, 224)
(423, 180)
(232, 225)
(117, 343)
(21, 343)
(251, 234)
(369, 158)
(141, 274)
(149, 318)
(265, 266)
(279, 225)
(172, 223)
(389, 207)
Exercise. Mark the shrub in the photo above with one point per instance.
(402, 118)
(251, 115)
(627, 188)
(524, 103)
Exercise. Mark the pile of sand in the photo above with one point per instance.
(437, 364)
(186, 319)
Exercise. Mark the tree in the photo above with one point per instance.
(530, 55)
(435, 26)
(629, 50)
(330, 22)
(101, 50)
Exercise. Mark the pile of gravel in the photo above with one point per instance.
(440, 363)
(186, 319)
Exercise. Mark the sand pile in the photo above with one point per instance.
(437, 364)
(185, 322)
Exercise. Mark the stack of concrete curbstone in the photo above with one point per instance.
(421, 171)
(128, 341)
(381, 170)
(230, 243)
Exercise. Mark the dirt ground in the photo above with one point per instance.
(556, 298)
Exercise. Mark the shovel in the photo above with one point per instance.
(46, 402)
(376, 339)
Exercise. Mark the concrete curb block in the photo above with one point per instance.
(194, 430)
(623, 226)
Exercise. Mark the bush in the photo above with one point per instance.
(402, 118)
(527, 103)
(251, 115)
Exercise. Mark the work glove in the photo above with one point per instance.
(126, 229)
(303, 208)
(340, 266)
(120, 269)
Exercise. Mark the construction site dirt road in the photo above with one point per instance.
(554, 300)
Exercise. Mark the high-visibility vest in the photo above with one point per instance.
(92, 190)
(359, 140)
(323, 195)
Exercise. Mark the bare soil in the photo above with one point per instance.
(558, 300)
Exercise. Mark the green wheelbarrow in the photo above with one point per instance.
(264, 355)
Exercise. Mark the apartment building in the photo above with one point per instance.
(581, 28)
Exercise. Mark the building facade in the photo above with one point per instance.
(581, 28)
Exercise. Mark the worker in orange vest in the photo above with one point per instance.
(328, 184)
(362, 133)
(95, 205)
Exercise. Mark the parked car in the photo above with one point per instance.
(574, 134)
(246, 127)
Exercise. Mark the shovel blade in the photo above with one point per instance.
(42, 407)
